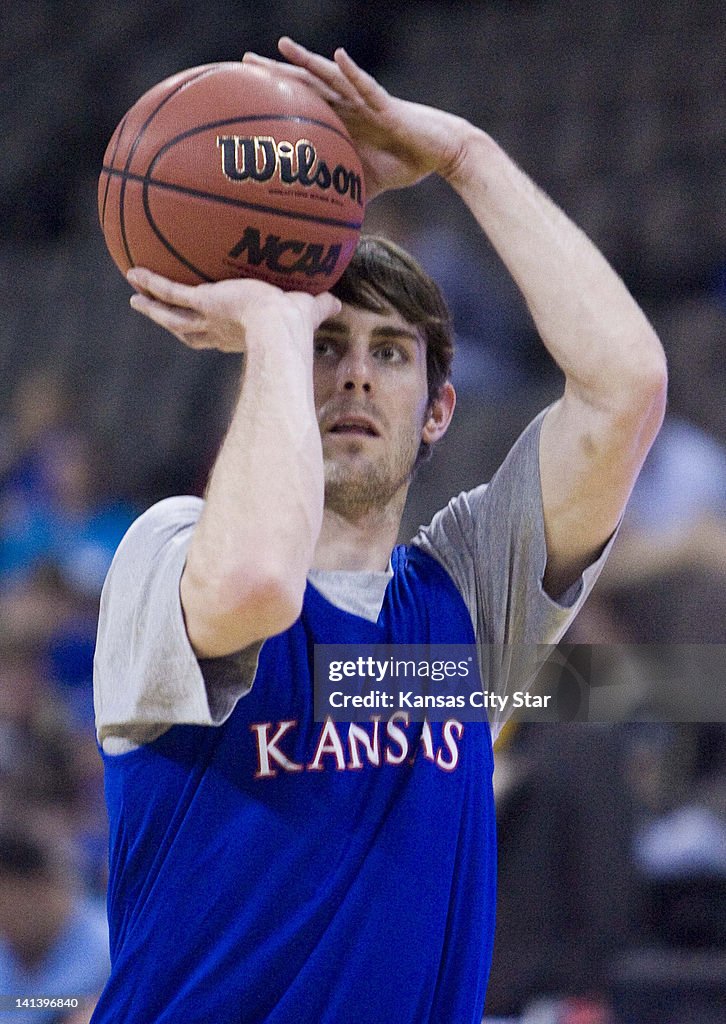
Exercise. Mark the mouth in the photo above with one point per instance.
(353, 425)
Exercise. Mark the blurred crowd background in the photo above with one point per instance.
(613, 838)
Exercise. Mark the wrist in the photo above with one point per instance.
(471, 149)
(277, 342)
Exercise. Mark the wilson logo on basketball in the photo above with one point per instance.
(260, 158)
(285, 256)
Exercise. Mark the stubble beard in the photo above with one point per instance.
(357, 486)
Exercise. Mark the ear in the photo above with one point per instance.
(439, 414)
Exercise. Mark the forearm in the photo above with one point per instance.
(248, 559)
(254, 542)
(594, 440)
(586, 317)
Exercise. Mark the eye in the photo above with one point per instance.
(389, 353)
(323, 346)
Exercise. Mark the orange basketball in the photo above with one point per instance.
(229, 170)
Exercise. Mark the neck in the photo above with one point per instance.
(362, 541)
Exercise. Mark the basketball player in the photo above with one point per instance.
(265, 867)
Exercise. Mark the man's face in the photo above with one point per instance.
(371, 398)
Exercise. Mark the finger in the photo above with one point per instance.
(365, 85)
(267, 62)
(173, 318)
(324, 70)
(298, 54)
(294, 73)
(169, 292)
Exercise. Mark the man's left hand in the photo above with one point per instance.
(399, 142)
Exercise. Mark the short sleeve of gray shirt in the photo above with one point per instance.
(146, 676)
(490, 540)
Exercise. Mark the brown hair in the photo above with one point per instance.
(381, 275)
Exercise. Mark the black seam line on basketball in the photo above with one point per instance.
(122, 223)
(108, 180)
(299, 119)
(355, 225)
(165, 241)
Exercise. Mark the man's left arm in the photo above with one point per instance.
(594, 439)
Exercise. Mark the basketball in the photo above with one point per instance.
(229, 170)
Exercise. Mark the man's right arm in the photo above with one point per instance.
(250, 552)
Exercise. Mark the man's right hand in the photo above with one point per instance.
(223, 315)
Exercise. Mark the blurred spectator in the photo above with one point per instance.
(53, 940)
(43, 609)
(39, 405)
(612, 879)
(35, 605)
(565, 872)
(674, 972)
(35, 738)
(678, 780)
(57, 513)
(666, 578)
(48, 753)
(683, 479)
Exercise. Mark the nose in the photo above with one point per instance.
(356, 372)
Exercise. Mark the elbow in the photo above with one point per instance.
(280, 599)
(654, 388)
(655, 365)
(269, 596)
(644, 385)
(227, 613)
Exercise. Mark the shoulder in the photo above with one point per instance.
(513, 494)
(146, 675)
(162, 521)
(150, 556)
(167, 523)
(148, 562)
(152, 551)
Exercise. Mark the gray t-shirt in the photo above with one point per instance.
(490, 540)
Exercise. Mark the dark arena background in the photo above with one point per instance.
(612, 905)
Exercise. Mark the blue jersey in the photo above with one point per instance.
(280, 870)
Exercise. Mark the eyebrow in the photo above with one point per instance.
(378, 333)
(396, 332)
